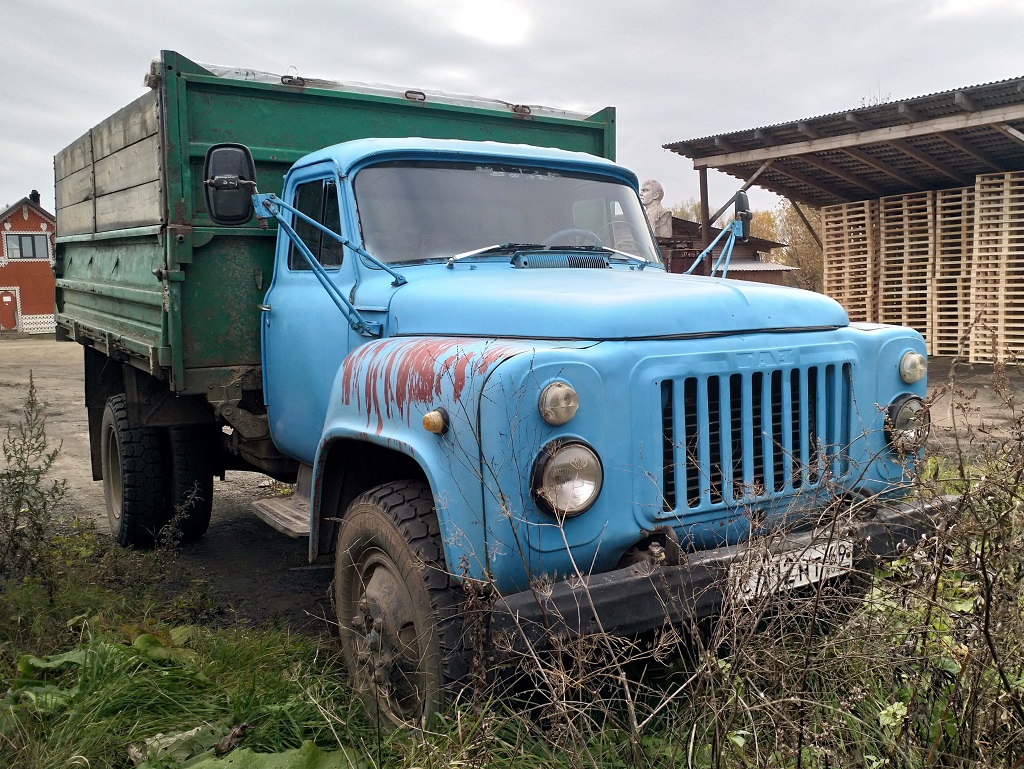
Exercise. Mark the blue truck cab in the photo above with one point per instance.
(489, 379)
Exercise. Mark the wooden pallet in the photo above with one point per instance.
(850, 251)
(950, 311)
(906, 239)
(997, 268)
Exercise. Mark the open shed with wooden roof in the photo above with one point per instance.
(922, 208)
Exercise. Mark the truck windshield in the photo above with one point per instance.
(417, 211)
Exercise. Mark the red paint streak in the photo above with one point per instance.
(386, 376)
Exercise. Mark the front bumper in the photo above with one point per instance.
(646, 596)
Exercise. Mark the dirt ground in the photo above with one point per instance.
(262, 575)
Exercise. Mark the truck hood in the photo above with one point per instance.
(602, 304)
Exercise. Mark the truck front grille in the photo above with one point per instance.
(731, 439)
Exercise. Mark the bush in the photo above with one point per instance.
(28, 496)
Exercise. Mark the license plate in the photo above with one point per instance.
(791, 569)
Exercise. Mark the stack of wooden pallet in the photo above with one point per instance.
(850, 250)
(950, 314)
(948, 263)
(997, 284)
(906, 240)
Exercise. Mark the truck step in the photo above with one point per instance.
(289, 514)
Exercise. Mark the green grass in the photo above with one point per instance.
(111, 693)
(905, 676)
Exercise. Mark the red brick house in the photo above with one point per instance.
(26, 267)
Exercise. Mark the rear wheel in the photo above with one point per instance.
(398, 607)
(190, 498)
(133, 477)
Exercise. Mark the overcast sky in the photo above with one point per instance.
(674, 70)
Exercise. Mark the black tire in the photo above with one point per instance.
(398, 605)
(190, 497)
(133, 477)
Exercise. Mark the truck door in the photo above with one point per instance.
(305, 337)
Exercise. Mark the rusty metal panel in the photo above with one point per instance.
(106, 283)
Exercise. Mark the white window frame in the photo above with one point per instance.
(20, 234)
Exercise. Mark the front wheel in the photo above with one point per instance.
(133, 476)
(397, 605)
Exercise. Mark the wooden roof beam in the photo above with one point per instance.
(847, 177)
(885, 168)
(804, 179)
(746, 186)
(1008, 130)
(928, 160)
(958, 122)
(978, 155)
(807, 224)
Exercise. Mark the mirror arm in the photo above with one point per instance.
(738, 229)
(272, 204)
(229, 182)
(707, 251)
(733, 231)
(358, 323)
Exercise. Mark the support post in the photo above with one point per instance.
(705, 218)
(746, 186)
(807, 224)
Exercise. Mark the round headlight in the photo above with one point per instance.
(558, 403)
(913, 367)
(907, 424)
(567, 478)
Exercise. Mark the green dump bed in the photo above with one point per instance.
(142, 273)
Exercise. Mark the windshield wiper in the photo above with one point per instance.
(497, 248)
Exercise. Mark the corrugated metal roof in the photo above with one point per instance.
(935, 141)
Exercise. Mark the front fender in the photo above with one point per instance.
(380, 395)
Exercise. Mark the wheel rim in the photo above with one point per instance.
(112, 473)
(388, 643)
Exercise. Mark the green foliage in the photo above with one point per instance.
(690, 210)
(27, 496)
(113, 696)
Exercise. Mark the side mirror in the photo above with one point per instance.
(229, 176)
(742, 215)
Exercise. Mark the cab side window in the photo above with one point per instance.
(319, 201)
